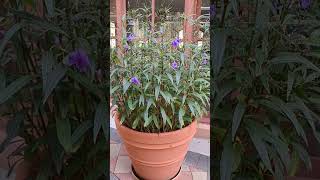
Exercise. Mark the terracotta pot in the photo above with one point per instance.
(156, 156)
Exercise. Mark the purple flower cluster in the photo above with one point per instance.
(130, 37)
(175, 43)
(174, 65)
(135, 80)
(305, 4)
(80, 60)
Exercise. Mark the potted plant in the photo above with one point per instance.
(266, 82)
(160, 91)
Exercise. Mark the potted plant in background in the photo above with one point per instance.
(160, 91)
(53, 88)
(266, 87)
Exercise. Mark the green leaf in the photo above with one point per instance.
(85, 82)
(181, 114)
(190, 105)
(279, 106)
(81, 130)
(57, 150)
(303, 154)
(155, 121)
(99, 118)
(219, 43)
(53, 79)
(282, 149)
(126, 84)
(13, 88)
(312, 77)
(146, 87)
(178, 76)
(294, 165)
(184, 99)
(289, 84)
(147, 119)
(38, 22)
(309, 116)
(141, 100)
(221, 94)
(114, 89)
(262, 17)
(157, 91)
(135, 123)
(50, 7)
(63, 127)
(265, 83)
(47, 63)
(8, 35)
(237, 116)
(227, 159)
(166, 96)
(164, 115)
(197, 106)
(170, 77)
(123, 118)
(293, 58)
(257, 139)
(2, 80)
(235, 6)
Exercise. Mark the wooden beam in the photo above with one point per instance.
(153, 14)
(189, 11)
(120, 13)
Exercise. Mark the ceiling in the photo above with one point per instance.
(176, 5)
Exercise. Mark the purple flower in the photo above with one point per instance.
(204, 62)
(135, 80)
(174, 65)
(126, 47)
(80, 60)
(175, 43)
(213, 10)
(130, 37)
(305, 4)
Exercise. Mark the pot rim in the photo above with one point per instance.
(152, 134)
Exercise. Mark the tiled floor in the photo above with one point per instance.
(195, 166)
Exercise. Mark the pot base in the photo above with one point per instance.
(136, 176)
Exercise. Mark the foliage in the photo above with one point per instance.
(265, 83)
(58, 108)
(160, 83)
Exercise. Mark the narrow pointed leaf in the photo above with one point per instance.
(53, 79)
(64, 133)
(227, 159)
(8, 35)
(13, 88)
(99, 118)
(237, 116)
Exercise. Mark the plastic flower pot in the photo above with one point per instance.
(156, 156)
